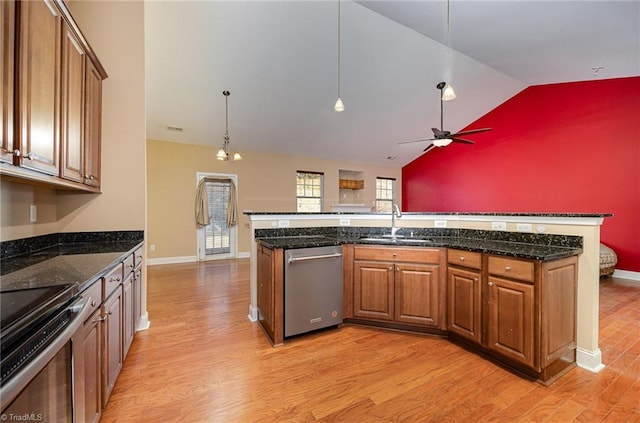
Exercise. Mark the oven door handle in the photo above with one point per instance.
(10, 390)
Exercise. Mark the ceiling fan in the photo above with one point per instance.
(442, 138)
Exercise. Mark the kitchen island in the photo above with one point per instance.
(527, 236)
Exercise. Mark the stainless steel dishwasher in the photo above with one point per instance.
(312, 289)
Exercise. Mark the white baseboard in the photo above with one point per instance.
(244, 254)
(253, 313)
(144, 322)
(589, 360)
(171, 260)
(627, 274)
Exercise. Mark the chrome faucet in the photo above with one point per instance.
(395, 211)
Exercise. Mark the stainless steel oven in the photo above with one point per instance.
(37, 364)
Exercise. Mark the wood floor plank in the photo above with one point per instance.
(202, 360)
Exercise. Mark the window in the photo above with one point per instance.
(309, 191)
(384, 194)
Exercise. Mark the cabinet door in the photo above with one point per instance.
(265, 287)
(416, 294)
(92, 359)
(92, 125)
(112, 342)
(128, 313)
(463, 303)
(137, 297)
(510, 328)
(7, 46)
(373, 290)
(72, 86)
(38, 84)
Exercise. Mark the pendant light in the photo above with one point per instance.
(339, 107)
(448, 93)
(223, 151)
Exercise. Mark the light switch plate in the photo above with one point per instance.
(33, 213)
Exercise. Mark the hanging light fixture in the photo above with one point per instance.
(223, 151)
(339, 107)
(448, 93)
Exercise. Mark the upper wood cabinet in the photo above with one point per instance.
(72, 81)
(7, 44)
(38, 86)
(52, 99)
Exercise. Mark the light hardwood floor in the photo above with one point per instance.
(202, 360)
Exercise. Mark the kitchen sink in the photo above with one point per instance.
(397, 240)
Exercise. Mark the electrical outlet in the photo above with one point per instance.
(440, 223)
(33, 213)
(152, 247)
(498, 226)
(283, 223)
(345, 222)
(524, 227)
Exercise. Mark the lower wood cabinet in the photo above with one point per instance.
(129, 322)
(519, 311)
(401, 285)
(112, 342)
(270, 292)
(92, 360)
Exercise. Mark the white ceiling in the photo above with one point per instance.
(278, 59)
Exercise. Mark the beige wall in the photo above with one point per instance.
(266, 182)
(115, 31)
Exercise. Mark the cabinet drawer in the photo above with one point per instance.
(399, 254)
(95, 293)
(464, 258)
(511, 268)
(112, 280)
(129, 264)
(137, 257)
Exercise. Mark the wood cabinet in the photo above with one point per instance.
(92, 141)
(112, 341)
(519, 311)
(351, 184)
(128, 314)
(270, 286)
(51, 99)
(463, 294)
(7, 46)
(400, 285)
(72, 100)
(89, 405)
(38, 86)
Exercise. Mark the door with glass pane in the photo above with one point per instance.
(217, 240)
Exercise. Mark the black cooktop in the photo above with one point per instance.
(22, 308)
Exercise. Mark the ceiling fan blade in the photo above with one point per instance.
(411, 142)
(462, 141)
(429, 148)
(471, 131)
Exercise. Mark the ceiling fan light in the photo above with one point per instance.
(448, 93)
(221, 154)
(237, 156)
(442, 142)
(339, 107)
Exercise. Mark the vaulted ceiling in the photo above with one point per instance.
(279, 61)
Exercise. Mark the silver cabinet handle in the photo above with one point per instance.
(507, 268)
(490, 283)
(461, 258)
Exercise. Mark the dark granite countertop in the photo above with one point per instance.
(498, 247)
(524, 214)
(64, 264)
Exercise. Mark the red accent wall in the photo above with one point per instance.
(569, 147)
